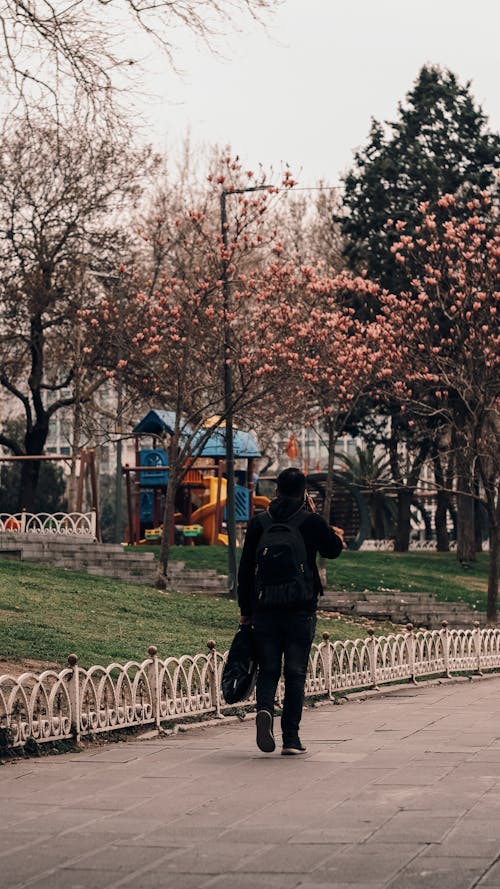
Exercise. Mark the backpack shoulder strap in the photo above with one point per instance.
(295, 520)
(265, 520)
(298, 518)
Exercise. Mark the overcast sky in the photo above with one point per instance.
(303, 89)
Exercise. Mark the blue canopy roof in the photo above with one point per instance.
(158, 422)
(244, 444)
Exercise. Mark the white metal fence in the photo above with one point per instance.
(75, 702)
(414, 546)
(65, 524)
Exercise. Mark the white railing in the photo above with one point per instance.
(75, 702)
(66, 524)
(415, 545)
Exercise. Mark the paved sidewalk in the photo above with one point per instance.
(399, 790)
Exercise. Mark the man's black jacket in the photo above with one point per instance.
(318, 538)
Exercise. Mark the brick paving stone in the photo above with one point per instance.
(14, 840)
(492, 876)
(119, 858)
(250, 881)
(423, 828)
(18, 866)
(170, 835)
(252, 833)
(477, 828)
(429, 862)
(122, 824)
(365, 864)
(417, 773)
(159, 879)
(287, 859)
(75, 879)
(351, 832)
(432, 881)
(306, 884)
(473, 768)
(443, 803)
(463, 846)
(434, 872)
(209, 858)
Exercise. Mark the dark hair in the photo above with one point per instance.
(291, 483)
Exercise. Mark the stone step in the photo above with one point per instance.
(420, 609)
(191, 575)
(55, 542)
(369, 595)
(175, 567)
(67, 553)
(216, 589)
(136, 575)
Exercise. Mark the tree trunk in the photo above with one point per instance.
(406, 489)
(478, 531)
(402, 540)
(168, 523)
(75, 453)
(466, 542)
(442, 537)
(492, 493)
(327, 505)
(492, 597)
(34, 442)
(443, 501)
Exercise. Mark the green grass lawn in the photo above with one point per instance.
(46, 613)
(425, 572)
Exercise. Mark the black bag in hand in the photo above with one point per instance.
(240, 671)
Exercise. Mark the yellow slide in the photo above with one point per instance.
(205, 515)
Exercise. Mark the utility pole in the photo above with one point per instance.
(118, 469)
(228, 390)
(116, 283)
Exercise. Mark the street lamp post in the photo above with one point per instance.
(118, 530)
(228, 390)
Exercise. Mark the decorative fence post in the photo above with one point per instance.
(326, 656)
(476, 632)
(23, 522)
(215, 677)
(410, 647)
(445, 642)
(154, 683)
(74, 696)
(93, 524)
(372, 655)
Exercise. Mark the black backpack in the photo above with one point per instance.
(283, 578)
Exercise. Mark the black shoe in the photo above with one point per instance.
(265, 737)
(293, 748)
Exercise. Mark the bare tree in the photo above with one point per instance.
(52, 50)
(62, 213)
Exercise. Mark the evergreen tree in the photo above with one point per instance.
(439, 144)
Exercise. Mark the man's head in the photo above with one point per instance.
(291, 483)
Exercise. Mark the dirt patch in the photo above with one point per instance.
(15, 668)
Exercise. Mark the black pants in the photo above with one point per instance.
(288, 636)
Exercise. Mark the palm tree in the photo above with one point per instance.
(372, 475)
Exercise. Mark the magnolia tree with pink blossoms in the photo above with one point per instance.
(169, 339)
(446, 328)
(326, 360)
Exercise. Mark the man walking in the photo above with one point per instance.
(278, 589)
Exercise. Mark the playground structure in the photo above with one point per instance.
(201, 499)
